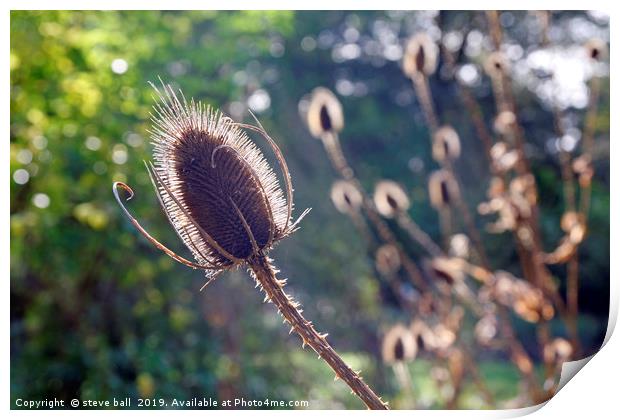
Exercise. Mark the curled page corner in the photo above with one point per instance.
(570, 369)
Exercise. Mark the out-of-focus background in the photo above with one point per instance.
(96, 312)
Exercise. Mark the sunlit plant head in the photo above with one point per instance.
(420, 56)
(446, 144)
(215, 186)
(324, 113)
(496, 64)
(346, 197)
(387, 260)
(390, 198)
(442, 188)
(398, 345)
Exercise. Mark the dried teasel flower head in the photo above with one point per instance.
(420, 56)
(459, 246)
(446, 144)
(526, 301)
(505, 122)
(442, 188)
(496, 65)
(216, 188)
(486, 329)
(398, 345)
(387, 260)
(449, 270)
(558, 351)
(346, 197)
(503, 158)
(324, 113)
(596, 49)
(390, 198)
(582, 166)
(572, 223)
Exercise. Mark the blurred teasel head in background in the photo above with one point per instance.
(346, 197)
(390, 198)
(446, 144)
(420, 56)
(387, 260)
(442, 188)
(324, 113)
(399, 344)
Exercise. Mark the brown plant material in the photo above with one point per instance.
(446, 144)
(390, 198)
(420, 56)
(398, 345)
(324, 113)
(387, 260)
(346, 197)
(442, 189)
(226, 205)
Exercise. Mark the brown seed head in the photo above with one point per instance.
(558, 351)
(387, 260)
(214, 184)
(596, 49)
(346, 197)
(390, 198)
(442, 189)
(398, 345)
(446, 144)
(420, 56)
(505, 122)
(496, 65)
(324, 113)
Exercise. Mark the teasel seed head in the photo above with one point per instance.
(398, 345)
(214, 185)
(596, 49)
(505, 122)
(486, 329)
(387, 260)
(446, 144)
(459, 246)
(572, 223)
(449, 270)
(496, 65)
(557, 352)
(390, 198)
(324, 113)
(346, 197)
(421, 54)
(442, 188)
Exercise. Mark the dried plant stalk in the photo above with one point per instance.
(265, 275)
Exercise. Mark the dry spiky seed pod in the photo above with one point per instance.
(324, 113)
(398, 345)
(387, 260)
(459, 246)
(446, 144)
(390, 198)
(596, 49)
(449, 270)
(420, 56)
(226, 205)
(557, 352)
(442, 188)
(496, 65)
(346, 197)
(505, 123)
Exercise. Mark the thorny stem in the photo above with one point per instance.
(265, 275)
